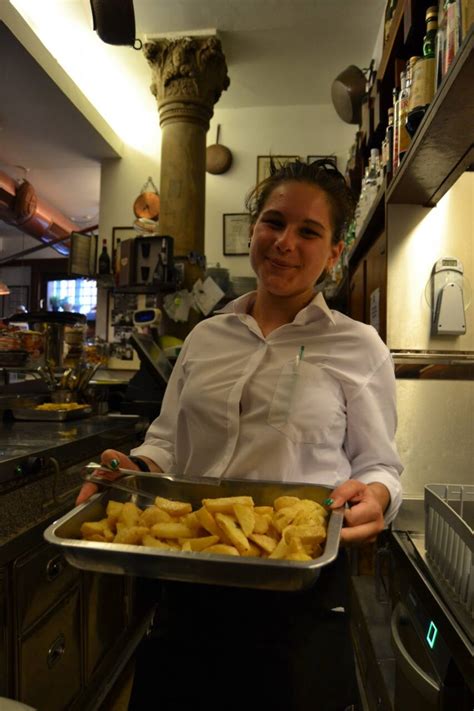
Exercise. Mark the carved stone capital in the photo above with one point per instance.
(189, 75)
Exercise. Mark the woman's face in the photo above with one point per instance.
(291, 242)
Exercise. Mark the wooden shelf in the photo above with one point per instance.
(373, 225)
(442, 148)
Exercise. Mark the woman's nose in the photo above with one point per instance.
(286, 239)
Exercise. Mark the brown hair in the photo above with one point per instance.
(322, 174)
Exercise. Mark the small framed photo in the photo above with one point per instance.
(236, 233)
(333, 159)
(122, 233)
(263, 164)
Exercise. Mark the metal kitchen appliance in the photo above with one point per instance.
(53, 324)
(432, 584)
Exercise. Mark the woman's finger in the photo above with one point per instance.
(88, 489)
(366, 533)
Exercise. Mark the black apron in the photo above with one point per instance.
(215, 647)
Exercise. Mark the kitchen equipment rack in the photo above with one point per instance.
(449, 540)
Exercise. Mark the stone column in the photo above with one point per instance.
(189, 75)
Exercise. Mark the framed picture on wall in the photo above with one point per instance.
(122, 233)
(236, 231)
(263, 164)
(332, 158)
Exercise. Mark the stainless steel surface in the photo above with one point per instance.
(118, 484)
(119, 473)
(195, 567)
(449, 539)
(70, 442)
(32, 415)
(444, 638)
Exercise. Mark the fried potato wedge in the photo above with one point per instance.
(132, 535)
(171, 530)
(198, 544)
(174, 508)
(246, 518)
(226, 504)
(265, 542)
(153, 515)
(233, 532)
(129, 515)
(152, 542)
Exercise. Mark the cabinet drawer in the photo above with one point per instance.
(49, 670)
(105, 602)
(5, 657)
(41, 577)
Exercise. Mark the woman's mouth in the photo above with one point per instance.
(278, 264)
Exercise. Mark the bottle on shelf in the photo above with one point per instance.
(452, 32)
(396, 129)
(104, 259)
(388, 141)
(423, 79)
(116, 262)
(404, 137)
(389, 12)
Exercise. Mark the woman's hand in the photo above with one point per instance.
(112, 459)
(364, 519)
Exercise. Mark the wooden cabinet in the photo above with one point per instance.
(357, 293)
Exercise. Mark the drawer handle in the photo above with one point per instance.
(56, 651)
(54, 567)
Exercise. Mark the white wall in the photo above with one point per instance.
(250, 132)
(417, 238)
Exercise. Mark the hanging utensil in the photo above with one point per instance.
(218, 157)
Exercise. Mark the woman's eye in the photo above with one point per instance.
(308, 233)
(274, 223)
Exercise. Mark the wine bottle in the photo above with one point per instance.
(104, 259)
(404, 138)
(424, 80)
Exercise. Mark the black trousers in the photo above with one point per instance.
(216, 647)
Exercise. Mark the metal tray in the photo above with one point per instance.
(194, 567)
(29, 413)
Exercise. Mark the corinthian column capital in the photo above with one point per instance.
(189, 75)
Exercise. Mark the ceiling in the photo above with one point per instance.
(278, 52)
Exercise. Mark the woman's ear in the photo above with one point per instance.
(336, 251)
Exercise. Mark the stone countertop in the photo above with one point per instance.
(68, 442)
(35, 497)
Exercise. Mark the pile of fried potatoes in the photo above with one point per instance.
(54, 406)
(291, 529)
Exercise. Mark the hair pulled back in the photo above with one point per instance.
(322, 174)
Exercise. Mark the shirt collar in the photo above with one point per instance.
(316, 309)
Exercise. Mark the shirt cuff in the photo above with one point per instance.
(159, 456)
(393, 484)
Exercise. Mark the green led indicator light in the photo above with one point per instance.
(432, 634)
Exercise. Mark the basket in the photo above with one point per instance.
(449, 540)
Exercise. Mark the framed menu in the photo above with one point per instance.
(236, 233)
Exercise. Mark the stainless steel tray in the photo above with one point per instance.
(30, 414)
(194, 567)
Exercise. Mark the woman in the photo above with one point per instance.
(277, 386)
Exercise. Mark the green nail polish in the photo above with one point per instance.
(114, 464)
(328, 502)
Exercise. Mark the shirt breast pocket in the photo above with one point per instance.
(308, 405)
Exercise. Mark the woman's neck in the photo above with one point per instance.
(271, 312)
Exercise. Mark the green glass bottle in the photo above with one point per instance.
(423, 79)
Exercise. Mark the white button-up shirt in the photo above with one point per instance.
(241, 405)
